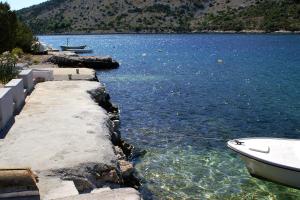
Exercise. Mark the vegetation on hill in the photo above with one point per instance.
(13, 32)
(154, 16)
(267, 15)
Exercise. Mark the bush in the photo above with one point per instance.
(18, 52)
(159, 8)
(8, 68)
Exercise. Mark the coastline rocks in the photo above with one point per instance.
(128, 174)
(95, 62)
(122, 149)
(126, 168)
(89, 176)
(101, 97)
(119, 152)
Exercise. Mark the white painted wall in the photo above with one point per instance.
(17, 88)
(6, 106)
(27, 76)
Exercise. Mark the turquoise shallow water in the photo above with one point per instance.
(183, 96)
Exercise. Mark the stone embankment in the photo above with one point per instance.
(68, 134)
(95, 62)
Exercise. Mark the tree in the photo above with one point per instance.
(12, 31)
(24, 37)
(8, 26)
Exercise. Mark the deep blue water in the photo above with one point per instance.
(183, 96)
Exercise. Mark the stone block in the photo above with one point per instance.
(27, 76)
(17, 88)
(6, 107)
(46, 75)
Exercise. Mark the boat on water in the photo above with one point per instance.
(67, 48)
(273, 159)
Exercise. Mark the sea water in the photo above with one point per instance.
(182, 97)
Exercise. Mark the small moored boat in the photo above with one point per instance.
(65, 48)
(273, 159)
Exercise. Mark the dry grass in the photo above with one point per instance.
(34, 59)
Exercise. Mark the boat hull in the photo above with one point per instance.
(272, 173)
(64, 48)
(273, 159)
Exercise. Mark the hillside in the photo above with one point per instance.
(154, 16)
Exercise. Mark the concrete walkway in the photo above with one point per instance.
(59, 128)
(63, 73)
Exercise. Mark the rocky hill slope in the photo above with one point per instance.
(154, 16)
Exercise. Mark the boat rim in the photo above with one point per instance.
(262, 160)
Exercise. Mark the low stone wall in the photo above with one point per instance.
(27, 77)
(12, 96)
(17, 88)
(6, 110)
(41, 75)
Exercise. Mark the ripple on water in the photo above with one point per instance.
(182, 106)
(212, 173)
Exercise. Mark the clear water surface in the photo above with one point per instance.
(183, 96)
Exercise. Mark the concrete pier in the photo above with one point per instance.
(64, 137)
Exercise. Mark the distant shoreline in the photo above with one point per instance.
(245, 32)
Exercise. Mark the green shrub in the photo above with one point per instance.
(159, 8)
(17, 52)
(8, 68)
(36, 61)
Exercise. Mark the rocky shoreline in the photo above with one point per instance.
(126, 174)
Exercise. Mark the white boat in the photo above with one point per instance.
(65, 48)
(273, 159)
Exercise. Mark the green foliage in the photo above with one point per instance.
(13, 32)
(8, 69)
(24, 37)
(267, 15)
(159, 8)
(54, 16)
(17, 52)
(8, 24)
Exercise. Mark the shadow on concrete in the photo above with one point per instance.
(4, 131)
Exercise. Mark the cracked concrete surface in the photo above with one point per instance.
(60, 127)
